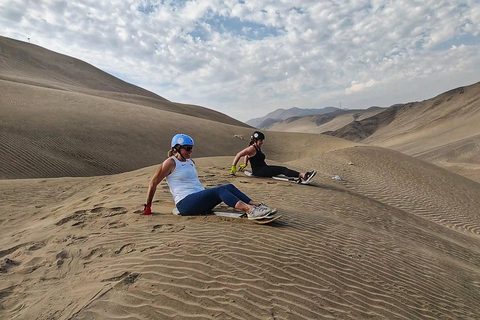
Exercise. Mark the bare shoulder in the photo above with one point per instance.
(165, 168)
(248, 151)
(251, 151)
(168, 165)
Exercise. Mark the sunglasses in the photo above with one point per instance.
(187, 148)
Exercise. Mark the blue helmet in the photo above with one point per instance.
(182, 139)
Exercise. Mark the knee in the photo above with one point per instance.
(230, 187)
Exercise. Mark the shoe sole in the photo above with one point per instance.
(262, 217)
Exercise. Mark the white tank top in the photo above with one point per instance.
(183, 180)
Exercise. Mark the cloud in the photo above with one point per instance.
(357, 87)
(235, 56)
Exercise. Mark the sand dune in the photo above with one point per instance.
(388, 242)
(444, 130)
(62, 117)
(73, 134)
(396, 238)
(25, 63)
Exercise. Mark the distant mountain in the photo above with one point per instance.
(403, 119)
(444, 130)
(267, 123)
(319, 123)
(283, 114)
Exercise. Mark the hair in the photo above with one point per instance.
(172, 151)
(252, 141)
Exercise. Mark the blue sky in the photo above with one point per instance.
(247, 58)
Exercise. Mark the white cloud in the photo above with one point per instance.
(250, 57)
(357, 86)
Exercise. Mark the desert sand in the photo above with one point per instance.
(387, 242)
(396, 238)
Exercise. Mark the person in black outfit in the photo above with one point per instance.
(253, 154)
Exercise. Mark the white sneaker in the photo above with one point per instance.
(259, 213)
(272, 210)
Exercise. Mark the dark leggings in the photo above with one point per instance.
(271, 171)
(204, 201)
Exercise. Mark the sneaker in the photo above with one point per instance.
(258, 213)
(272, 210)
(309, 176)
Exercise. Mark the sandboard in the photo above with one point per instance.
(264, 220)
(280, 178)
(240, 215)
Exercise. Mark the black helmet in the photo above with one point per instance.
(257, 135)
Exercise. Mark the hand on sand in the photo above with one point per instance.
(148, 209)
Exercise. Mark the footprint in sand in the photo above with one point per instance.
(114, 211)
(6, 292)
(78, 216)
(81, 216)
(126, 248)
(37, 246)
(8, 264)
(167, 228)
(13, 249)
(115, 225)
(98, 253)
(32, 265)
(79, 223)
(61, 256)
(98, 210)
(123, 280)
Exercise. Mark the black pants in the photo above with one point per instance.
(271, 171)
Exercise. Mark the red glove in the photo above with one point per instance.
(148, 209)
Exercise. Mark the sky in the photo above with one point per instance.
(247, 58)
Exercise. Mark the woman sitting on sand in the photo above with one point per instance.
(257, 161)
(189, 195)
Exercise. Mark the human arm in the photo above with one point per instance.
(162, 172)
(245, 163)
(247, 152)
